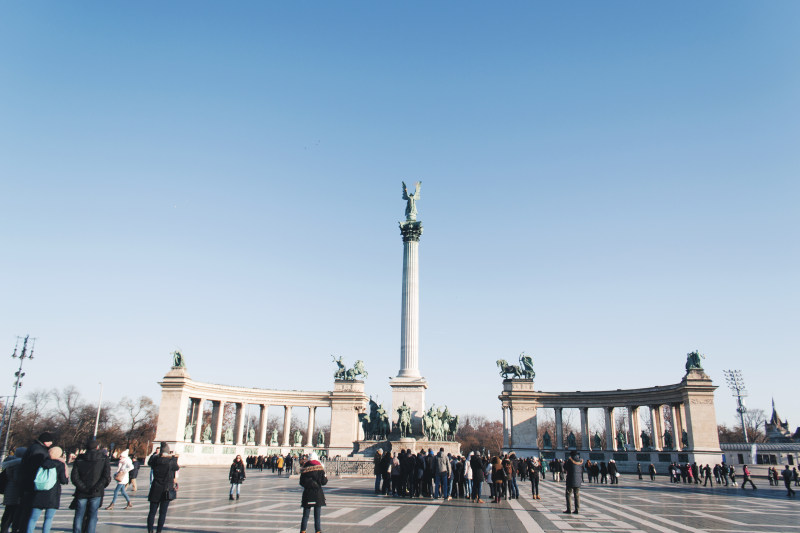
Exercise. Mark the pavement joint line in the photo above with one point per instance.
(530, 525)
(419, 521)
(716, 518)
(377, 517)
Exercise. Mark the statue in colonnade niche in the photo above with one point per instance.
(228, 436)
(188, 433)
(547, 442)
(251, 435)
(685, 439)
(321, 439)
(645, 440)
(571, 443)
(622, 440)
(598, 442)
(298, 438)
(273, 440)
(667, 439)
(207, 433)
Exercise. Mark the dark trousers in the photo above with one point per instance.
(9, 520)
(748, 480)
(576, 496)
(386, 488)
(317, 518)
(708, 480)
(162, 508)
(535, 486)
(476, 489)
(788, 483)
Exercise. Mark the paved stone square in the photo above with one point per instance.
(270, 503)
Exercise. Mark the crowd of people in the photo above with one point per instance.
(275, 462)
(33, 476)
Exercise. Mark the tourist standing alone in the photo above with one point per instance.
(236, 476)
(312, 479)
(91, 474)
(122, 478)
(574, 468)
(163, 489)
(787, 481)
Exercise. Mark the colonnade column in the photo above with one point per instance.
(287, 424)
(216, 420)
(677, 426)
(506, 428)
(198, 420)
(654, 426)
(633, 423)
(610, 440)
(312, 411)
(262, 425)
(559, 444)
(658, 442)
(238, 431)
(584, 428)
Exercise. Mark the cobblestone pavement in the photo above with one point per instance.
(270, 503)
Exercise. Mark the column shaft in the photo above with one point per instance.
(310, 433)
(505, 428)
(409, 323)
(611, 441)
(658, 429)
(262, 425)
(238, 433)
(559, 444)
(217, 417)
(198, 420)
(637, 437)
(584, 428)
(287, 424)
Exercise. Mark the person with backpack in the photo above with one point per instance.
(11, 494)
(47, 484)
(35, 455)
(122, 477)
(91, 474)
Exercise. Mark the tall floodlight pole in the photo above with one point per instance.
(17, 384)
(736, 384)
(99, 403)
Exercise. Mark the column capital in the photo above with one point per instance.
(411, 230)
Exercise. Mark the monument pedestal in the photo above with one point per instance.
(412, 392)
(347, 400)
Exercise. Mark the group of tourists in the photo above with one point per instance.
(276, 462)
(33, 477)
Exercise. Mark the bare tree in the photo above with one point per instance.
(135, 414)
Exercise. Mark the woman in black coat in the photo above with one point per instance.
(236, 476)
(163, 489)
(312, 478)
(49, 500)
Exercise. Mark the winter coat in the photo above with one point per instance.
(91, 474)
(236, 474)
(443, 464)
(386, 463)
(498, 474)
(574, 470)
(125, 466)
(376, 464)
(51, 499)
(12, 493)
(35, 455)
(164, 467)
(477, 468)
(612, 469)
(312, 478)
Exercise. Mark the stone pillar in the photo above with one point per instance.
(559, 443)
(631, 428)
(506, 426)
(585, 428)
(611, 438)
(409, 317)
(658, 441)
(261, 440)
(174, 404)
(287, 424)
(700, 417)
(347, 399)
(637, 432)
(654, 426)
(217, 417)
(198, 421)
(677, 426)
(238, 431)
(312, 412)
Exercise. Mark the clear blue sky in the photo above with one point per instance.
(606, 185)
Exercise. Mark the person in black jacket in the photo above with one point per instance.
(91, 474)
(49, 500)
(35, 455)
(236, 476)
(574, 469)
(312, 479)
(163, 488)
(476, 464)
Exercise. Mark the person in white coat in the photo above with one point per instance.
(122, 477)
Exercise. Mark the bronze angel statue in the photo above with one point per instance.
(411, 200)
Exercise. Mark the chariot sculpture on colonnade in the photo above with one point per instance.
(524, 370)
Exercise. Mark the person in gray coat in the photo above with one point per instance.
(11, 497)
(574, 470)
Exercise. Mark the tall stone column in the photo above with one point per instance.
(559, 444)
(238, 433)
(217, 418)
(637, 437)
(677, 426)
(505, 427)
(409, 385)
(633, 441)
(198, 420)
(287, 424)
(312, 411)
(584, 428)
(611, 438)
(655, 423)
(262, 425)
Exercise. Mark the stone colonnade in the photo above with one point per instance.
(690, 404)
(181, 415)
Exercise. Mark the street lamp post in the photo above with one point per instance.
(736, 384)
(17, 384)
(99, 404)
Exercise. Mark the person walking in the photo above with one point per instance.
(236, 476)
(91, 474)
(163, 489)
(134, 474)
(312, 479)
(574, 468)
(11, 496)
(533, 471)
(787, 481)
(746, 474)
(652, 471)
(121, 477)
(639, 470)
(48, 499)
